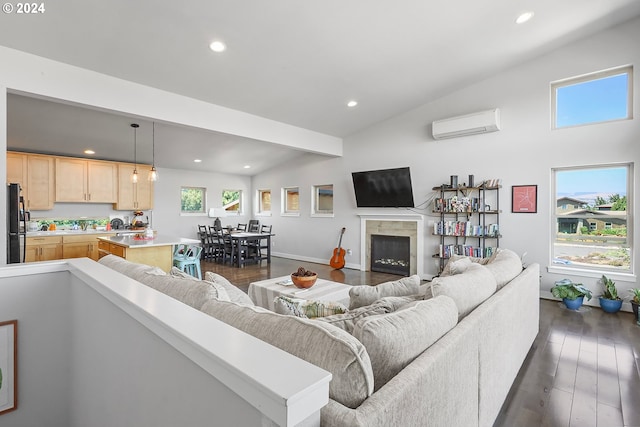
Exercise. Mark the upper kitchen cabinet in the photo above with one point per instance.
(91, 181)
(134, 196)
(35, 174)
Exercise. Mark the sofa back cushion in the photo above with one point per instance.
(468, 289)
(505, 266)
(130, 269)
(395, 339)
(360, 296)
(319, 343)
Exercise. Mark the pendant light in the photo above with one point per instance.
(153, 174)
(134, 177)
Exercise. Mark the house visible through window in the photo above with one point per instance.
(291, 201)
(193, 200)
(322, 203)
(594, 98)
(593, 226)
(232, 201)
(264, 202)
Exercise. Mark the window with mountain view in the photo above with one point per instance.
(592, 223)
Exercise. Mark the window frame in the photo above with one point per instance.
(202, 212)
(315, 198)
(555, 85)
(586, 271)
(260, 211)
(285, 211)
(240, 210)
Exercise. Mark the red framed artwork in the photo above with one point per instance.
(524, 198)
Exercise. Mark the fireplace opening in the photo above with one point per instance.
(390, 254)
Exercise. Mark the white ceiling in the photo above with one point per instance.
(293, 61)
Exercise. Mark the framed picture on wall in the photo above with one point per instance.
(524, 198)
(8, 366)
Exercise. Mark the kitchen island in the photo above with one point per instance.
(157, 251)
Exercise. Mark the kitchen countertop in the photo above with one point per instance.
(158, 240)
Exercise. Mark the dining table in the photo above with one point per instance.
(243, 238)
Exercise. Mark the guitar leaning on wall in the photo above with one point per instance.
(337, 260)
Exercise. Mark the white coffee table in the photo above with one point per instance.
(263, 293)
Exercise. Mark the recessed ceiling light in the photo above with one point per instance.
(352, 104)
(89, 152)
(524, 17)
(217, 46)
(197, 161)
(247, 166)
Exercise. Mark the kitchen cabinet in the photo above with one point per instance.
(35, 174)
(43, 248)
(79, 180)
(134, 196)
(81, 246)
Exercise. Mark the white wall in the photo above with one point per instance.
(522, 153)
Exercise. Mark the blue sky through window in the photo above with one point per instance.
(592, 101)
(585, 184)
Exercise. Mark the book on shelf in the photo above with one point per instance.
(464, 228)
(446, 251)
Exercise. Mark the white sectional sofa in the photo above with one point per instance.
(405, 354)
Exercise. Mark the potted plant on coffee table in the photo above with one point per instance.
(609, 300)
(635, 301)
(572, 294)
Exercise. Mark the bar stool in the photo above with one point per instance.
(187, 259)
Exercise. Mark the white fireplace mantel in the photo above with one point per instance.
(393, 217)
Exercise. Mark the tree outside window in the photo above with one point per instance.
(232, 201)
(193, 200)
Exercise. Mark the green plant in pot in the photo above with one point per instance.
(635, 301)
(610, 302)
(572, 294)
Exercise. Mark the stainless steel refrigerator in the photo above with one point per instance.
(16, 225)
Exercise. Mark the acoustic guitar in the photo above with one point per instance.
(337, 260)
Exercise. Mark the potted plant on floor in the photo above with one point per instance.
(610, 301)
(572, 294)
(635, 301)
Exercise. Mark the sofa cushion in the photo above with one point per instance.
(194, 293)
(468, 289)
(360, 296)
(505, 266)
(235, 294)
(130, 269)
(348, 320)
(319, 343)
(395, 339)
(307, 308)
(454, 266)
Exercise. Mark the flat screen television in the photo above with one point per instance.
(385, 188)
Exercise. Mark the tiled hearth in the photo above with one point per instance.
(393, 225)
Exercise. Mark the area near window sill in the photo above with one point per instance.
(617, 276)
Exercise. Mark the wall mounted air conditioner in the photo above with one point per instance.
(469, 124)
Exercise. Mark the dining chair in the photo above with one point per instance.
(241, 227)
(187, 259)
(254, 226)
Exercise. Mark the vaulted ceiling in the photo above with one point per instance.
(297, 62)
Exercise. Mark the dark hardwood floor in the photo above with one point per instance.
(583, 369)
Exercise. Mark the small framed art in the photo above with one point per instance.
(8, 366)
(524, 198)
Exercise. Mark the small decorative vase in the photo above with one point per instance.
(610, 305)
(573, 304)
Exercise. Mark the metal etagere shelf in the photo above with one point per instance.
(468, 215)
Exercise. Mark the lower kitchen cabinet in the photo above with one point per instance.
(43, 248)
(81, 246)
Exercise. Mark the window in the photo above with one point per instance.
(322, 200)
(291, 201)
(232, 201)
(193, 200)
(597, 234)
(594, 98)
(264, 202)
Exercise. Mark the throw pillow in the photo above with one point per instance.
(453, 267)
(360, 296)
(468, 289)
(235, 294)
(395, 339)
(220, 291)
(348, 320)
(307, 308)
